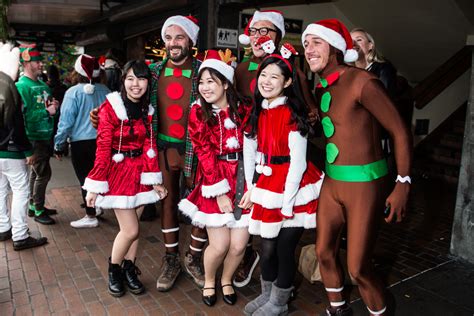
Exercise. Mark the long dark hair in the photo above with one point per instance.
(233, 98)
(293, 92)
(140, 70)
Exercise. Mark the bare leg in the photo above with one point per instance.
(129, 228)
(238, 243)
(219, 242)
(132, 251)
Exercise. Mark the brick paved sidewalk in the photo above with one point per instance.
(68, 276)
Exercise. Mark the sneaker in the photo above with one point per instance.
(49, 211)
(344, 310)
(44, 219)
(244, 272)
(85, 222)
(29, 242)
(6, 235)
(193, 267)
(170, 270)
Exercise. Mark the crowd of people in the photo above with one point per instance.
(234, 139)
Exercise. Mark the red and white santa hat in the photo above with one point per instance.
(221, 61)
(274, 16)
(87, 66)
(189, 24)
(336, 34)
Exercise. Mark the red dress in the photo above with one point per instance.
(123, 182)
(287, 191)
(214, 176)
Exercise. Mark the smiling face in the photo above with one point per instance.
(134, 86)
(212, 89)
(316, 51)
(177, 44)
(271, 82)
(256, 48)
(362, 44)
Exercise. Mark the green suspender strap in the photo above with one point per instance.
(358, 173)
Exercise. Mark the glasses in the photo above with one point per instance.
(262, 31)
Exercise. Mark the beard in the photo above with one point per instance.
(181, 56)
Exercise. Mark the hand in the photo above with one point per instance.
(245, 203)
(51, 107)
(313, 116)
(189, 182)
(161, 190)
(397, 200)
(54, 103)
(225, 204)
(90, 199)
(58, 154)
(94, 117)
(30, 160)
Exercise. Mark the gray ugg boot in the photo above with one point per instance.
(278, 303)
(260, 300)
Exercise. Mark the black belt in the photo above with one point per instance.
(129, 153)
(276, 160)
(231, 157)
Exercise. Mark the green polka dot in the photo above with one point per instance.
(328, 126)
(325, 101)
(331, 152)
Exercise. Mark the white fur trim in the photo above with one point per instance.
(351, 55)
(151, 109)
(274, 17)
(271, 200)
(226, 70)
(116, 101)
(274, 104)
(332, 37)
(96, 186)
(188, 26)
(127, 202)
(271, 230)
(151, 178)
(244, 39)
(216, 189)
(228, 124)
(232, 143)
(267, 171)
(151, 153)
(89, 88)
(118, 157)
(250, 152)
(202, 219)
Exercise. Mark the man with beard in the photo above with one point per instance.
(173, 91)
(269, 23)
(354, 107)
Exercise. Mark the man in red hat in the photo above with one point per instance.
(354, 106)
(39, 110)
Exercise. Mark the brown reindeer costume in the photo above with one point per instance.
(353, 107)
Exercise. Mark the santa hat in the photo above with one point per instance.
(87, 66)
(189, 24)
(336, 34)
(220, 61)
(274, 16)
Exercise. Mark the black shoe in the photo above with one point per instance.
(344, 310)
(44, 219)
(29, 242)
(6, 235)
(209, 300)
(48, 211)
(229, 298)
(131, 273)
(116, 287)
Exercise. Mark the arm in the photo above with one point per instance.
(308, 97)
(213, 183)
(69, 110)
(298, 145)
(151, 174)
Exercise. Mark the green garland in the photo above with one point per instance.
(3, 19)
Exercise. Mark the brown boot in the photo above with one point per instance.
(193, 267)
(170, 270)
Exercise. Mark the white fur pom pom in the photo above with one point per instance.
(267, 171)
(228, 124)
(351, 55)
(89, 88)
(232, 142)
(118, 157)
(259, 168)
(151, 153)
(244, 39)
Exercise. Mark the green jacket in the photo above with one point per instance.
(38, 123)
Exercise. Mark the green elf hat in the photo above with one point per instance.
(30, 52)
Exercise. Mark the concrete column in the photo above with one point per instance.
(462, 239)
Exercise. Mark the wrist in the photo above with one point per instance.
(403, 179)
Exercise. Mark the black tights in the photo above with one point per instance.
(278, 257)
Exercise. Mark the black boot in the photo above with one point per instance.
(131, 273)
(116, 287)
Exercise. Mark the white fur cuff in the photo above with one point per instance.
(216, 189)
(151, 178)
(95, 186)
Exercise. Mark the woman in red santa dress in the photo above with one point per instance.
(216, 129)
(285, 195)
(126, 176)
